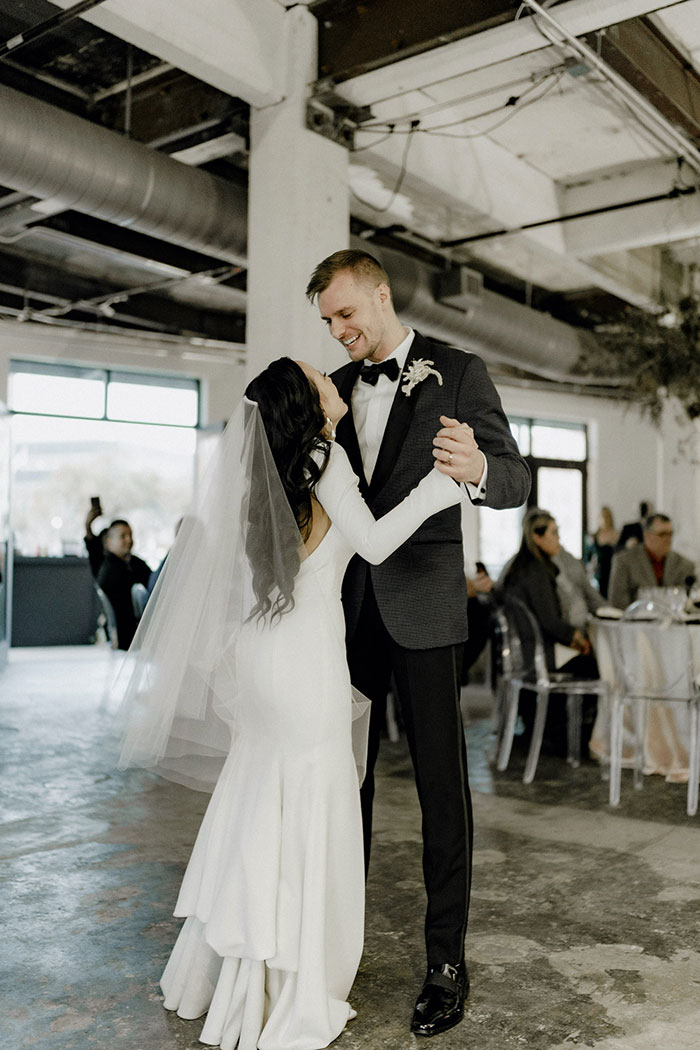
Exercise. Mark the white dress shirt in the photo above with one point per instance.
(371, 406)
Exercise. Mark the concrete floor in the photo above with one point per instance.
(584, 928)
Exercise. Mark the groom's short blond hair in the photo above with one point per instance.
(361, 264)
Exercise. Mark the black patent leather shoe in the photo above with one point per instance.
(440, 1004)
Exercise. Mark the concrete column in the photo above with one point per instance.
(678, 478)
(297, 215)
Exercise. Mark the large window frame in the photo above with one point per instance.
(110, 377)
(500, 531)
(535, 462)
(90, 411)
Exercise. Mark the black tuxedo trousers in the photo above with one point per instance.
(408, 615)
(427, 684)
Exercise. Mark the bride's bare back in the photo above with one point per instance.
(320, 524)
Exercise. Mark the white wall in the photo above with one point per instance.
(629, 458)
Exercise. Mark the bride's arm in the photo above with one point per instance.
(339, 494)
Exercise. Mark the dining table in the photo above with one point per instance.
(667, 725)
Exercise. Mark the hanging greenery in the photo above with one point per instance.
(655, 357)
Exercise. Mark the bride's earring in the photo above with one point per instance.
(331, 428)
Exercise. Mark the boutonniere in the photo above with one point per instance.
(416, 372)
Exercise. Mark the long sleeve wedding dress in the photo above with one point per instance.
(273, 895)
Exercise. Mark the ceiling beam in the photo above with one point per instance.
(355, 38)
(534, 262)
(174, 107)
(499, 44)
(637, 51)
(658, 222)
(236, 47)
(613, 186)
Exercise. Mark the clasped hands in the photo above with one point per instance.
(457, 453)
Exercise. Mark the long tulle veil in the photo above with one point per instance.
(178, 684)
(178, 680)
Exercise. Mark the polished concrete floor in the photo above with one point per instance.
(584, 929)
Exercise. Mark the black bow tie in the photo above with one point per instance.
(371, 373)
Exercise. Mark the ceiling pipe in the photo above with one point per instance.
(69, 162)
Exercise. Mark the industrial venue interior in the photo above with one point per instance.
(527, 174)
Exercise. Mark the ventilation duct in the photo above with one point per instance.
(73, 163)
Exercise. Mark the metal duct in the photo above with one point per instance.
(498, 329)
(51, 154)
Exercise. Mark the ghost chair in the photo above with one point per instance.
(110, 620)
(525, 636)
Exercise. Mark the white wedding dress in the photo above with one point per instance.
(273, 894)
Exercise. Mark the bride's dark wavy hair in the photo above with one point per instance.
(290, 409)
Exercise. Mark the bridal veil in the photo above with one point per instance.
(234, 558)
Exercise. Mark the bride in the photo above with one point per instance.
(238, 677)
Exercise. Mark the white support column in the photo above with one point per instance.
(297, 215)
(678, 478)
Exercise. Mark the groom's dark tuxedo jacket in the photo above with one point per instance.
(421, 588)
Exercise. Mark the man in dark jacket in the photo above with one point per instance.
(120, 576)
(408, 616)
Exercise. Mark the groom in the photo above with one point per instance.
(408, 616)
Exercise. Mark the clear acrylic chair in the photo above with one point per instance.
(109, 617)
(503, 671)
(522, 627)
(645, 674)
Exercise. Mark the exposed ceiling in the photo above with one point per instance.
(555, 147)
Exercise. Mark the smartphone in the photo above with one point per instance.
(95, 503)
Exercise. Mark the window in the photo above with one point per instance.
(128, 438)
(556, 454)
(88, 393)
(558, 441)
(57, 391)
(150, 399)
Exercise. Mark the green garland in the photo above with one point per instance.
(655, 360)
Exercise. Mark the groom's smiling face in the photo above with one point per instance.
(356, 312)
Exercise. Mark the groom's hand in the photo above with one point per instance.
(457, 453)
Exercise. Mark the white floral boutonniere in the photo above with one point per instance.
(416, 372)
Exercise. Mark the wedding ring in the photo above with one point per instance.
(449, 457)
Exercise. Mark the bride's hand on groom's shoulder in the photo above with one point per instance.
(457, 453)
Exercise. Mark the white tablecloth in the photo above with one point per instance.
(667, 725)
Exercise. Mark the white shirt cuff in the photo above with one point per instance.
(477, 493)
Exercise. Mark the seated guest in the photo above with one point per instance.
(95, 544)
(124, 578)
(579, 599)
(532, 579)
(650, 564)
